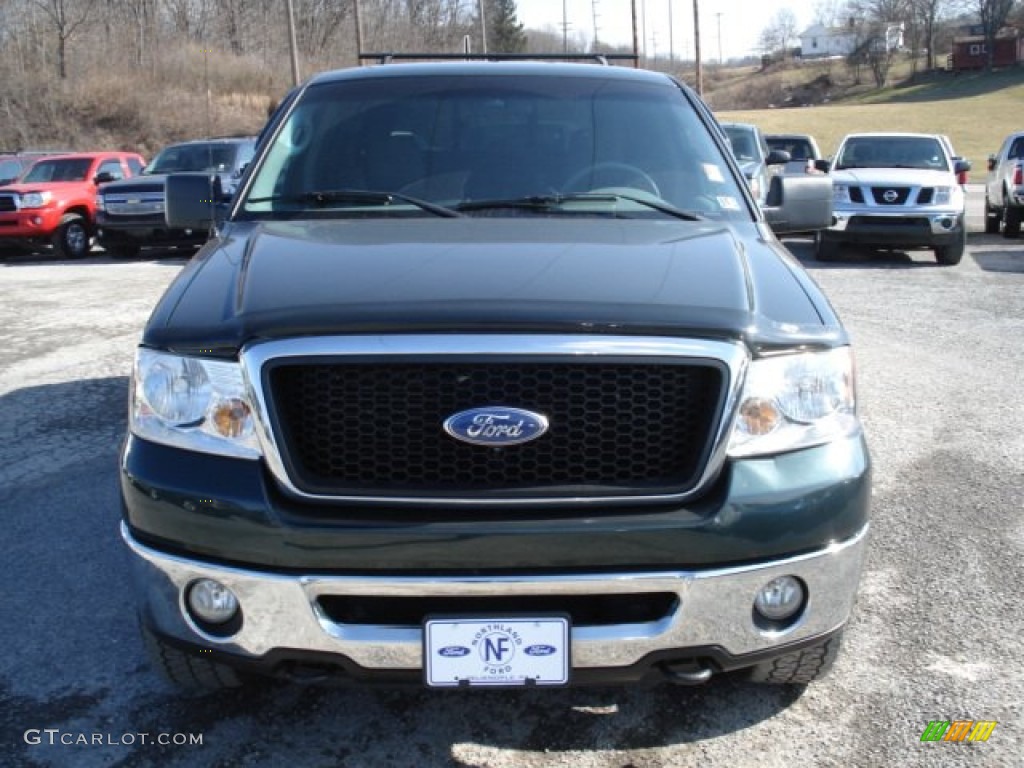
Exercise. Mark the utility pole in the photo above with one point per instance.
(643, 26)
(696, 48)
(483, 26)
(719, 15)
(565, 29)
(359, 32)
(671, 39)
(292, 44)
(636, 49)
(594, 14)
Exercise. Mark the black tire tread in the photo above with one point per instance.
(189, 671)
(800, 667)
(1011, 221)
(58, 240)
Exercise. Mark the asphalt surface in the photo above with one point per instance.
(936, 635)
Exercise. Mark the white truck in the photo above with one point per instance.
(1004, 189)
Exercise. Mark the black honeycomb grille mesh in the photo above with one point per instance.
(377, 428)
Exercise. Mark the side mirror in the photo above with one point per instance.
(823, 165)
(103, 177)
(778, 157)
(190, 200)
(799, 204)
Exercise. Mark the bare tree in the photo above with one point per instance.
(779, 33)
(926, 14)
(67, 17)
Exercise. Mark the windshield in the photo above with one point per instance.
(743, 141)
(925, 153)
(70, 169)
(798, 149)
(461, 141)
(193, 157)
(10, 169)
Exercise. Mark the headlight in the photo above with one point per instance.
(100, 204)
(35, 199)
(840, 193)
(795, 401)
(943, 195)
(193, 403)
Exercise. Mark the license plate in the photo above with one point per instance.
(496, 652)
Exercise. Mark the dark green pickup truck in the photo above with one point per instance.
(495, 375)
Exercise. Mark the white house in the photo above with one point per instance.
(819, 41)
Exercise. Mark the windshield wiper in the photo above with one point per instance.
(359, 197)
(548, 202)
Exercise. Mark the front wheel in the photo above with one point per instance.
(71, 240)
(1011, 221)
(825, 250)
(800, 667)
(950, 255)
(187, 671)
(121, 250)
(991, 218)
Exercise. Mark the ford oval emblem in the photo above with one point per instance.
(453, 651)
(539, 650)
(496, 425)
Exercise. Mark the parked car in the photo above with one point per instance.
(14, 164)
(54, 202)
(802, 149)
(130, 213)
(493, 375)
(755, 158)
(1004, 187)
(896, 190)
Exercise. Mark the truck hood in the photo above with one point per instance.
(895, 177)
(59, 188)
(272, 280)
(148, 183)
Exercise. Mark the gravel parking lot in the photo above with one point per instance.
(937, 633)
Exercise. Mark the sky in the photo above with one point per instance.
(742, 22)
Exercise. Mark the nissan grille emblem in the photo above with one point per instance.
(496, 426)
(890, 195)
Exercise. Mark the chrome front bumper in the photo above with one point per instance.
(939, 222)
(714, 608)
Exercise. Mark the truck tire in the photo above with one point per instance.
(991, 219)
(950, 255)
(1011, 221)
(122, 250)
(825, 250)
(186, 670)
(800, 667)
(71, 240)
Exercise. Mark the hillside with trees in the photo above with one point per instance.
(137, 74)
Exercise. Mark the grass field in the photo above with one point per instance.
(976, 111)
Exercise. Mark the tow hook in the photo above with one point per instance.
(688, 672)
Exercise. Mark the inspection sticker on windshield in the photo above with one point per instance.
(496, 652)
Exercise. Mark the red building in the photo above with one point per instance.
(972, 52)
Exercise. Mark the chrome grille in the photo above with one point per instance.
(134, 206)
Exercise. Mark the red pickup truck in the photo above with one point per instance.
(54, 203)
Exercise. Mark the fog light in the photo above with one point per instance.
(212, 602)
(946, 223)
(780, 598)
